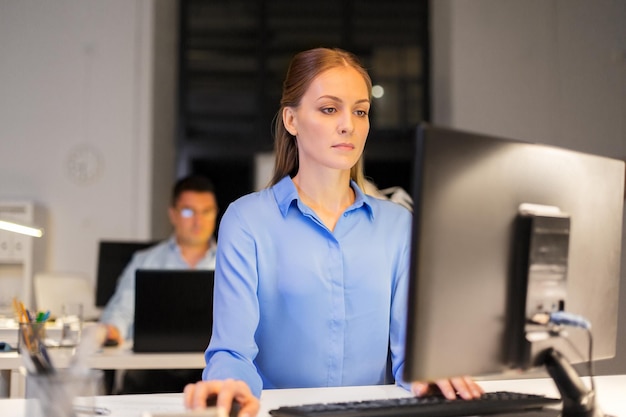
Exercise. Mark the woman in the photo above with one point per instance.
(311, 274)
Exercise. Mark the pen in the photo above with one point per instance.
(42, 317)
(86, 409)
(209, 412)
(30, 316)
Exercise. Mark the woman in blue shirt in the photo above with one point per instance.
(311, 273)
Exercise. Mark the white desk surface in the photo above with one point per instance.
(611, 390)
(119, 357)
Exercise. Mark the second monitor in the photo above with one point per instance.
(113, 256)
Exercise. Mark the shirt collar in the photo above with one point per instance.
(171, 243)
(286, 195)
(173, 246)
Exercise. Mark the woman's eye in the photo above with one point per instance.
(329, 110)
(361, 113)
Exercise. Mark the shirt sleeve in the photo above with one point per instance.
(119, 311)
(232, 349)
(399, 311)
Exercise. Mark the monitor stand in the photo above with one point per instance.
(578, 400)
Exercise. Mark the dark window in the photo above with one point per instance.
(233, 57)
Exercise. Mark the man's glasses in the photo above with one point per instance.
(188, 213)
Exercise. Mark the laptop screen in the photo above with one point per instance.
(173, 310)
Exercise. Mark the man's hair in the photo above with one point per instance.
(196, 183)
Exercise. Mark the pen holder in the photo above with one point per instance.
(63, 393)
(30, 334)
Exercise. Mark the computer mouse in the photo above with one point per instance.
(235, 407)
(110, 342)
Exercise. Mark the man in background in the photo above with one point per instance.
(192, 213)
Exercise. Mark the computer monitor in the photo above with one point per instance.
(505, 231)
(113, 256)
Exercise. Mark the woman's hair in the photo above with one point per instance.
(303, 69)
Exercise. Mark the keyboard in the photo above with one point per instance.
(435, 406)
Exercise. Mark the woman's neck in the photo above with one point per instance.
(328, 198)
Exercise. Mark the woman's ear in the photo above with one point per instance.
(289, 120)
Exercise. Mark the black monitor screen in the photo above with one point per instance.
(113, 256)
(465, 295)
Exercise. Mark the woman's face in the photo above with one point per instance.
(331, 123)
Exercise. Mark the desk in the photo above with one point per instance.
(611, 390)
(122, 357)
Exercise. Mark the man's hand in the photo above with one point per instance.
(113, 336)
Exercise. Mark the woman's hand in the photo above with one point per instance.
(463, 386)
(227, 391)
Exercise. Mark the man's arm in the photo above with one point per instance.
(119, 311)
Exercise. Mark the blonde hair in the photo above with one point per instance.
(303, 69)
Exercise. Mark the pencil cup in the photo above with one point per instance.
(30, 335)
(63, 393)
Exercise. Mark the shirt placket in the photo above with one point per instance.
(337, 314)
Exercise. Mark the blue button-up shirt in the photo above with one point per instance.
(120, 309)
(298, 305)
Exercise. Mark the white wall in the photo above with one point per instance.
(549, 71)
(163, 67)
(77, 120)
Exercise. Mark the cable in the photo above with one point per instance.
(568, 319)
(561, 318)
(590, 362)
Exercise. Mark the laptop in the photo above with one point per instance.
(173, 310)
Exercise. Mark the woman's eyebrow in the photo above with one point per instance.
(337, 99)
